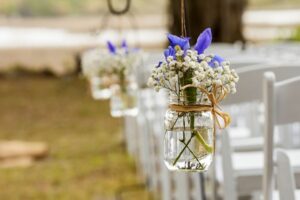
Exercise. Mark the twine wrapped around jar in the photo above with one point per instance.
(214, 107)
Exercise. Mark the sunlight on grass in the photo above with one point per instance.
(87, 159)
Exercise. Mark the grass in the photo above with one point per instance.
(87, 160)
(296, 35)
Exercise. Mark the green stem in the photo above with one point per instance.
(191, 98)
(183, 149)
(179, 115)
(199, 137)
(183, 132)
(201, 166)
(122, 81)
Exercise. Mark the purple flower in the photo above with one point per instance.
(125, 46)
(174, 40)
(170, 52)
(217, 59)
(111, 47)
(203, 41)
(159, 64)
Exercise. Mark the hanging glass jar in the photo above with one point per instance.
(123, 99)
(189, 137)
(100, 88)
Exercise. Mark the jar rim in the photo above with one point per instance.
(183, 99)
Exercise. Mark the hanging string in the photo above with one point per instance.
(118, 12)
(183, 20)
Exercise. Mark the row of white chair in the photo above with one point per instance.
(147, 129)
(239, 165)
(242, 171)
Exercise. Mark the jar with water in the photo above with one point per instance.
(100, 88)
(189, 135)
(123, 101)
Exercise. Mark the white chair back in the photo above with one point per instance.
(227, 169)
(249, 90)
(143, 132)
(130, 134)
(287, 101)
(285, 176)
(250, 84)
(279, 99)
(268, 183)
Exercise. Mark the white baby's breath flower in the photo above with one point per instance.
(201, 56)
(204, 73)
(170, 58)
(218, 82)
(179, 53)
(226, 69)
(180, 74)
(187, 59)
(195, 81)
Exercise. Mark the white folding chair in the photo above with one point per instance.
(250, 93)
(281, 100)
(242, 171)
(130, 134)
(285, 177)
(142, 132)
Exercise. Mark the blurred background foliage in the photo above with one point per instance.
(31, 8)
(274, 4)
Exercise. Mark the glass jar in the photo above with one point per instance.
(123, 100)
(189, 137)
(99, 89)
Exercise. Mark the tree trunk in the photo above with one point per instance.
(223, 16)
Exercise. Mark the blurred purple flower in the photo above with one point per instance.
(174, 40)
(159, 64)
(111, 47)
(216, 58)
(203, 41)
(124, 44)
(170, 52)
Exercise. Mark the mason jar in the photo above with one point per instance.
(99, 88)
(123, 100)
(189, 136)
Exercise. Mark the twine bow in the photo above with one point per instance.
(214, 108)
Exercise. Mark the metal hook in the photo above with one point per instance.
(118, 12)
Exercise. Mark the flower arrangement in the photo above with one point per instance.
(112, 65)
(185, 65)
(119, 69)
(197, 83)
(115, 65)
(118, 64)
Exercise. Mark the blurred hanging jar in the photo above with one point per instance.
(197, 83)
(124, 62)
(124, 99)
(94, 67)
(100, 88)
